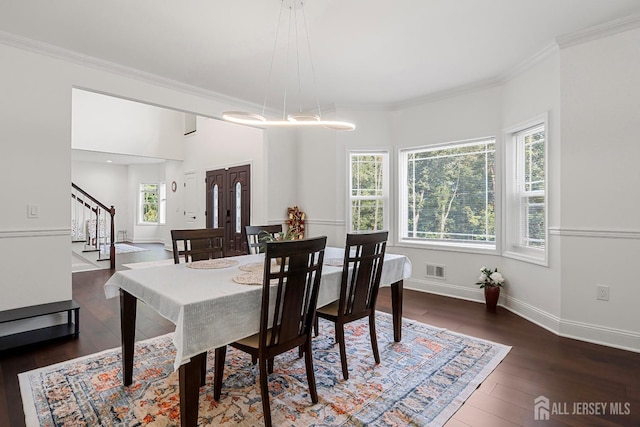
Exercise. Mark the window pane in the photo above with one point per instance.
(367, 215)
(238, 207)
(149, 202)
(450, 192)
(535, 233)
(366, 179)
(534, 161)
(367, 192)
(215, 206)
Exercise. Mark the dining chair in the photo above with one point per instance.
(361, 272)
(254, 234)
(289, 297)
(199, 244)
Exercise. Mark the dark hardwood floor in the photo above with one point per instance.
(540, 363)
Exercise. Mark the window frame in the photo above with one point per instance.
(161, 206)
(386, 180)
(447, 245)
(515, 213)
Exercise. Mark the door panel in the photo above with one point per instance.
(190, 199)
(229, 205)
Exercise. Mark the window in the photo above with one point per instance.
(447, 194)
(368, 191)
(153, 199)
(526, 213)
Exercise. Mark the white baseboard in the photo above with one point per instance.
(596, 334)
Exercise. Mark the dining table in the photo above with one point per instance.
(216, 302)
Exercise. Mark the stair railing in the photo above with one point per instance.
(93, 230)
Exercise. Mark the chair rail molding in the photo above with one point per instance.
(604, 233)
(34, 232)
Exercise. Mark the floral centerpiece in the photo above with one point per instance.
(489, 278)
(491, 281)
(290, 234)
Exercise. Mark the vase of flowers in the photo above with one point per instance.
(491, 281)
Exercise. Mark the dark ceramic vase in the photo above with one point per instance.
(491, 296)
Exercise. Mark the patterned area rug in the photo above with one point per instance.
(421, 381)
(122, 248)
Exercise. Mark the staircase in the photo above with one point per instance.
(92, 222)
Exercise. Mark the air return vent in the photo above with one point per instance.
(435, 271)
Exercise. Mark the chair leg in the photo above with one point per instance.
(220, 356)
(270, 365)
(264, 391)
(374, 338)
(343, 350)
(254, 359)
(311, 379)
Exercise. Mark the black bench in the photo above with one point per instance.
(71, 328)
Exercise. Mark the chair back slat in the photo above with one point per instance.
(294, 286)
(198, 244)
(254, 234)
(362, 270)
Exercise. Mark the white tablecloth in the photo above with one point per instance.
(210, 310)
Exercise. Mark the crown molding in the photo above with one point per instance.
(599, 31)
(447, 93)
(67, 55)
(530, 62)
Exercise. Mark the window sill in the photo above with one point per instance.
(460, 247)
(538, 260)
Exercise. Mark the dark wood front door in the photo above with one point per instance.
(229, 205)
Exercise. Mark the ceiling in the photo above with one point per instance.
(365, 52)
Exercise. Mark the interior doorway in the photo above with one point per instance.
(229, 205)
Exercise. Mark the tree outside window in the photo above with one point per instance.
(449, 193)
(152, 203)
(368, 195)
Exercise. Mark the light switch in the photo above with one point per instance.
(33, 211)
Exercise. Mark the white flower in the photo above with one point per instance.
(496, 277)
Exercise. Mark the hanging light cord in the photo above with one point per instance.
(300, 119)
(313, 70)
(273, 56)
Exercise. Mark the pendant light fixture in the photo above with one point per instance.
(296, 19)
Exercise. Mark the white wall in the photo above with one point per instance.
(35, 168)
(115, 125)
(283, 170)
(600, 198)
(534, 291)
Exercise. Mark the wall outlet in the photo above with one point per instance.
(602, 292)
